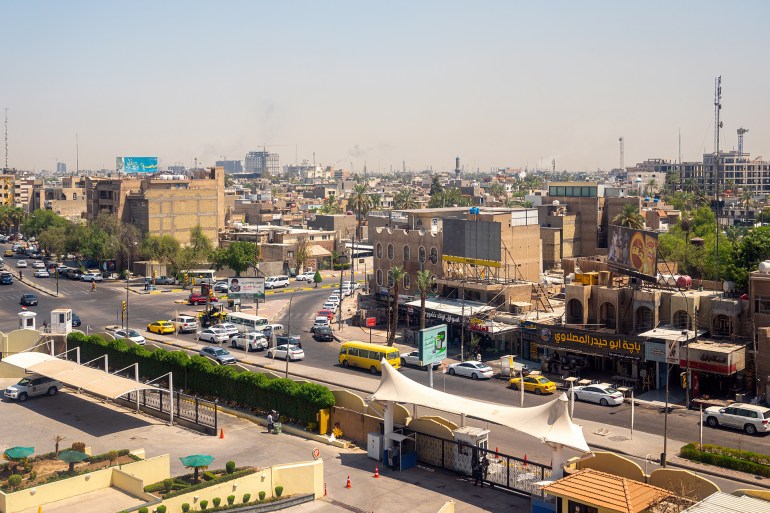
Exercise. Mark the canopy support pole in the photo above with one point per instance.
(388, 419)
(557, 461)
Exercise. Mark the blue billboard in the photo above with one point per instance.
(137, 164)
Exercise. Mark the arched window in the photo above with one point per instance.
(379, 250)
(390, 252)
(407, 282)
(433, 255)
(608, 315)
(421, 254)
(433, 284)
(574, 311)
(379, 277)
(681, 320)
(643, 318)
(407, 253)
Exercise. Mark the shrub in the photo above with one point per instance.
(79, 446)
(33, 475)
(208, 475)
(144, 509)
(160, 509)
(278, 490)
(14, 481)
(262, 495)
(231, 499)
(216, 501)
(743, 461)
(204, 504)
(185, 507)
(112, 456)
(246, 497)
(230, 467)
(168, 484)
(206, 484)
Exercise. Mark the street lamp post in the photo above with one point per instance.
(288, 332)
(128, 279)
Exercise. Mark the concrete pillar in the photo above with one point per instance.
(557, 461)
(388, 419)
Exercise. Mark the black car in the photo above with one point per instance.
(75, 320)
(323, 334)
(28, 300)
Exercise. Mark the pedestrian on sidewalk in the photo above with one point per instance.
(270, 422)
(93, 285)
(484, 469)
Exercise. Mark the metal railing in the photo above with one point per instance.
(186, 407)
(508, 472)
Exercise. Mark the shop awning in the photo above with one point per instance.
(549, 422)
(664, 333)
(74, 375)
(715, 357)
(450, 310)
(317, 251)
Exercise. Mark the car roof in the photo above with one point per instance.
(748, 406)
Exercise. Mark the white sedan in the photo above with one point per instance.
(413, 359)
(295, 353)
(131, 335)
(37, 264)
(213, 335)
(42, 273)
(601, 393)
(21, 264)
(473, 370)
(306, 276)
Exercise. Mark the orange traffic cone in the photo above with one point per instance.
(525, 460)
(221, 433)
(497, 454)
(377, 471)
(348, 485)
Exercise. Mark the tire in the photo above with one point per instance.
(373, 369)
(269, 354)
(515, 387)
(345, 364)
(451, 372)
(403, 362)
(750, 429)
(53, 390)
(712, 421)
(603, 402)
(22, 397)
(577, 398)
(474, 376)
(538, 391)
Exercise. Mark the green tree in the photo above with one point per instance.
(301, 251)
(331, 205)
(747, 253)
(317, 278)
(435, 186)
(163, 248)
(450, 197)
(629, 218)
(41, 220)
(424, 284)
(238, 256)
(54, 239)
(397, 274)
(496, 190)
(405, 199)
(361, 203)
(376, 200)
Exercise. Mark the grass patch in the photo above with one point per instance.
(724, 457)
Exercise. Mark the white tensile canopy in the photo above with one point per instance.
(549, 422)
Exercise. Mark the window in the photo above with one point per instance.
(407, 253)
(722, 326)
(379, 277)
(681, 320)
(643, 318)
(421, 257)
(379, 250)
(433, 255)
(352, 351)
(608, 315)
(762, 304)
(576, 507)
(390, 252)
(407, 281)
(574, 312)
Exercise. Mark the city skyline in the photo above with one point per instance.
(498, 84)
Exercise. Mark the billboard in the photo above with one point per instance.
(137, 164)
(634, 250)
(589, 342)
(241, 287)
(478, 240)
(432, 344)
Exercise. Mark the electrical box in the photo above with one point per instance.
(374, 446)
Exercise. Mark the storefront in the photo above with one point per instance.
(716, 368)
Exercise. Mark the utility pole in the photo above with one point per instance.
(462, 324)
(717, 127)
(622, 153)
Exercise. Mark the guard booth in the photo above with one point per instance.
(469, 440)
(403, 452)
(27, 320)
(61, 321)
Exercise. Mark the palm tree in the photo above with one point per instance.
(629, 218)
(747, 198)
(686, 224)
(651, 185)
(405, 199)
(331, 206)
(424, 283)
(361, 202)
(376, 200)
(397, 274)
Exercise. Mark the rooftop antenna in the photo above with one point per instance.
(622, 152)
(6, 139)
(717, 127)
(741, 131)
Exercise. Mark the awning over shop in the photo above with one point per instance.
(316, 251)
(666, 333)
(74, 375)
(549, 422)
(450, 310)
(713, 356)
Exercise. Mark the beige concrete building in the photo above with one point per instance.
(6, 189)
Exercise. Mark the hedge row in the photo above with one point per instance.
(199, 376)
(743, 461)
(206, 484)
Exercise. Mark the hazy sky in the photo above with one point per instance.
(499, 83)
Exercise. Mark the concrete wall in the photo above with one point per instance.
(302, 477)
(349, 401)
(355, 425)
(615, 464)
(683, 483)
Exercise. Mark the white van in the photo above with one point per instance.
(274, 282)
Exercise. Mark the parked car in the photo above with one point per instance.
(750, 418)
(91, 276)
(334, 298)
(306, 276)
(220, 286)
(74, 274)
(165, 280)
(212, 335)
(252, 341)
(537, 384)
(222, 356)
(601, 393)
(28, 300)
(185, 323)
(6, 278)
(37, 264)
(474, 370)
(321, 321)
(295, 353)
(21, 264)
(413, 359)
(161, 327)
(323, 334)
(229, 328)
(332, 307)
(352, 284)
(42, 273)
(325, 313)
(31, 386)
(131, 335)
(200, 299)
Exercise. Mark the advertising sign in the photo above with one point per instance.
(672, 352)
(590, 342)
(241, 287)
(371, 322)
(635, 250)
(137, 164)
(433, 344)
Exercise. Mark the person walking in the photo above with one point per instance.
(93, 286)
(484, 469)
(270, 422)
(476, 472)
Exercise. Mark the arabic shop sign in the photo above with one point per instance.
(591, 342)
(442, 316)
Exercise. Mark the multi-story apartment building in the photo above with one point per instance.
(230, 166)
(6, 189)
(261, 164)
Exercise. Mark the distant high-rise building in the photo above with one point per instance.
(261, 163)
(230, 166)
(61, 168)
(177, 170)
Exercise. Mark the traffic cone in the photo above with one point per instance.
(497, 454)
(525, 459)
(377, 471)
(221, 433)
(348, 485)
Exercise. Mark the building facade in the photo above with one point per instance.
(261, 164)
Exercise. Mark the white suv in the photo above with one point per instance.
(750, 418)
(185, 323)
(91, 277)
(254, 341)
(32, 386)
(277, 281)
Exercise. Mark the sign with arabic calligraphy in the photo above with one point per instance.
(590, 342)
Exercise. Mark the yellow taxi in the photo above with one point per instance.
(537, 384)
(8, 253)
(161, 327)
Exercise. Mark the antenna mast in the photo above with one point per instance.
(717, 206)
(622, 153)
(6, 139)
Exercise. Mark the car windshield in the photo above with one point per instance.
(24, 382)
(133, 333)
(220, 352)
(610, 390)
(542, 380)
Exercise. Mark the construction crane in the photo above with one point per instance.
(741, 131)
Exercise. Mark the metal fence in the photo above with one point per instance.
(186, 407)
(508, 472)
